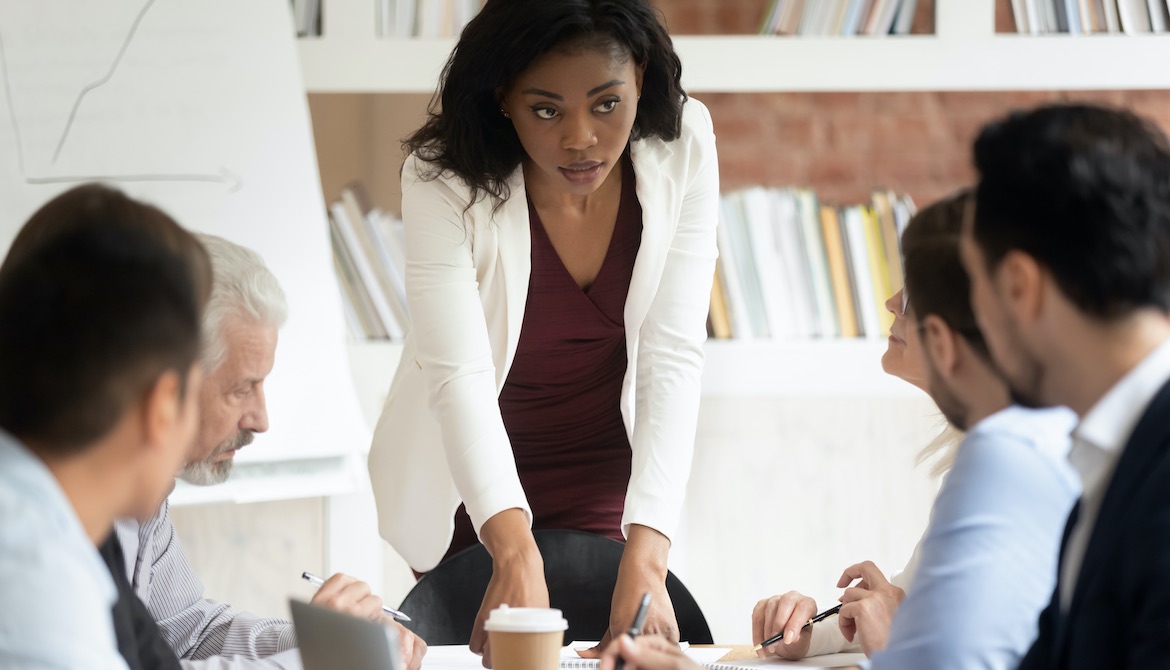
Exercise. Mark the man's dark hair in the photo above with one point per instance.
(466, 134)
(99, 296)
(936, 282)
(1085, 190)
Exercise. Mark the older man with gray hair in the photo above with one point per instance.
(240, 326)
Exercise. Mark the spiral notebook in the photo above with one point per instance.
(459, 657)
(710, 658)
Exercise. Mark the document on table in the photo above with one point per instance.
(459, 657)
(826, 661)
(570, 658)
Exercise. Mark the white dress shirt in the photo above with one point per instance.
(441, 439)
(205, 634)
(56, 593)
(989, 555)
(1098, 443)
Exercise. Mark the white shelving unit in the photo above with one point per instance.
(964, 54)
(733, 369)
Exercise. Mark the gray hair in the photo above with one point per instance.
(242, 287)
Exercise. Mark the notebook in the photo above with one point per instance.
(826, 661)
(709, 657)
(459, 657)
(571, 659)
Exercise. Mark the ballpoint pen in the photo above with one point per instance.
(780, 636)
(635, 628)
(317, 581)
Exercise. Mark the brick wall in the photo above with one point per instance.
(844, 144)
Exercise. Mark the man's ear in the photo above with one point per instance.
(161, 409)
(939, 343)
(1021, 281)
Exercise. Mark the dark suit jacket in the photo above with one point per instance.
(1120, 611)
(139, 641)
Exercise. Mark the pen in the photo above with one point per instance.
(636, 627)
(780, 636)
(317, 581)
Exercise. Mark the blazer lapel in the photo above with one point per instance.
(660, 195)
(514, 251)
(1148, 442)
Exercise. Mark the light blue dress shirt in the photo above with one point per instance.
(55, 591)
(989, 555)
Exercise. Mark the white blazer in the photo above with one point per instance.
(441, 439)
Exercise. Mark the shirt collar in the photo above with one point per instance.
(1112, 420)
(29, 475)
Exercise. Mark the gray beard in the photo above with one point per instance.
(209, 471)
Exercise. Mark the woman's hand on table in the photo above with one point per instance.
(517, 573)
(642, 570)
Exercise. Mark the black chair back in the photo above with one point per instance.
(580, 569)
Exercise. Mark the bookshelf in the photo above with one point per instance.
(734, 369)
(964, 54)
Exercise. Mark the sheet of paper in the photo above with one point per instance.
(451, 657)
(826, 661)
(199, 108)
(571, 657)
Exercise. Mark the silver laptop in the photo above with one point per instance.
(331, 640)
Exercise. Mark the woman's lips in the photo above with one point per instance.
(585, 172)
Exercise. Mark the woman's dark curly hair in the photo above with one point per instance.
(466, 134)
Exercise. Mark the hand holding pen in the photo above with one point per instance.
(636, 627)
(788, 616)
(351, 596)
(816, 619)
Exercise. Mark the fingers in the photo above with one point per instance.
(785, 614)
(868, 619)
(609, 654)
(647, 653)
(411, 646)
(478, 634)
(350, 596)
(603, 646)
(846, 621)
(869, 574)
(855, 593)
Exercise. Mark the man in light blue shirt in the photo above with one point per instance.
(100, 302)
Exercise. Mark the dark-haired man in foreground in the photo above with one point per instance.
(99, 348)
(1069, 255)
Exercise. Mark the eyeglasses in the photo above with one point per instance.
(905, 301)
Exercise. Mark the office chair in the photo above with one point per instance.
(580, 569)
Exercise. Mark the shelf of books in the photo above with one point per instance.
(790, 267)
(965, 54)
(752, 369)
(797, 306)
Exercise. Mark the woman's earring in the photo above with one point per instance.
(506, 114)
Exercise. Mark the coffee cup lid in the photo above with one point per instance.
(506, 619)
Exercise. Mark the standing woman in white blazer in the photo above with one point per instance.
(560, 206)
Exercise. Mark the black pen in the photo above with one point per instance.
(636, 627)
(780, 636)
